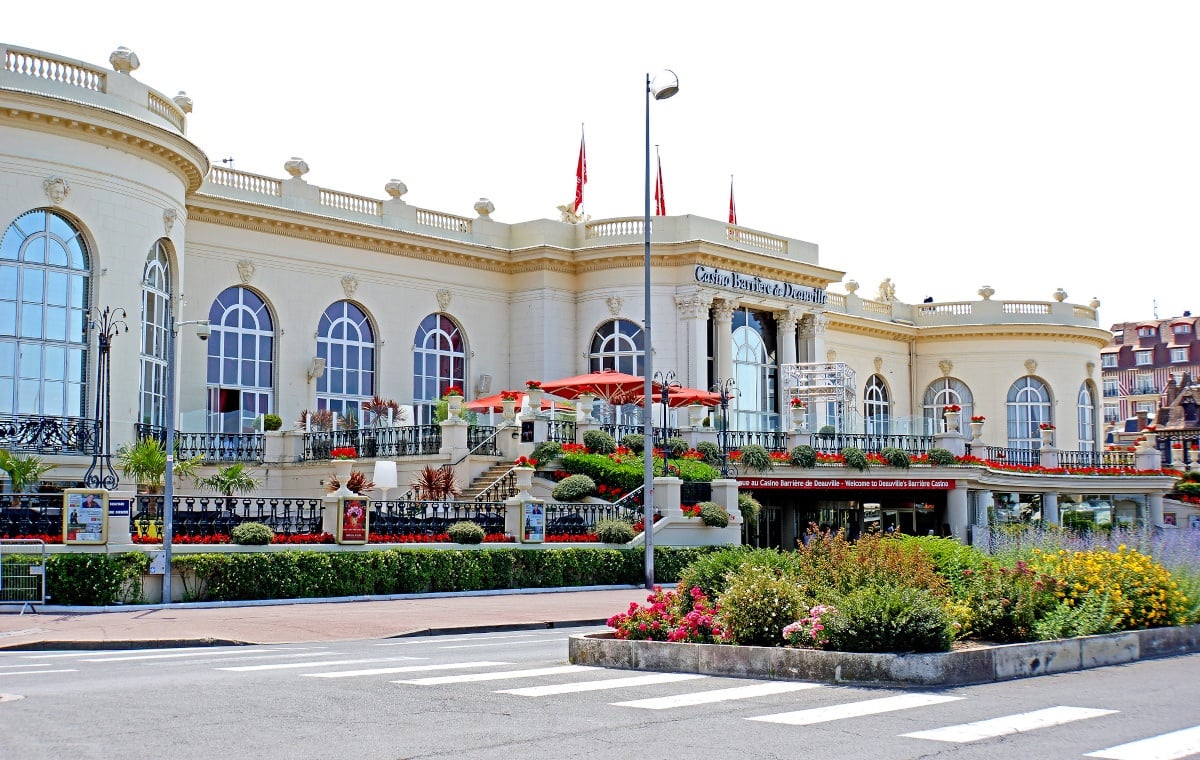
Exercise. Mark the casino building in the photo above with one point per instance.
(323, 299)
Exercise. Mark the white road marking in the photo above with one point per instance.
(405, 669)
(426, 639)
(31, 665)
(472, 677)
(321, 664)
(608, 683)
(855, 709)
(38, 672)
(504, 643)
(719, 695)
(1170, 746)
(173, 655)
(1009, 724)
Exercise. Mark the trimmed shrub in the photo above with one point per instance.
(883, 619)
(756, 458)
(803, 456)
(252, 534)
(611, 531)
(711, 452)
(757, 603)
(941, 457)
(599, 442)
(856, 459)
(574, 488)
(272, 422)
(90, 579)
(677, 446)
(749, 507)
(713, 514)
(466, 532)
(634, 442)
(826, 431)
(896, 457)
(546, 452)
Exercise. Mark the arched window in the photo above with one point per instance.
(156, 314)
(439, 361)
(876, 407)
(1028, 408)
(618, 344)
(346, 342)
(240, 361)
(44, 292)
(1086, 417)
(940, 394)
(755, 372)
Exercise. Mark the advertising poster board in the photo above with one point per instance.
(85, 516)
(352, 520)
(533, 522)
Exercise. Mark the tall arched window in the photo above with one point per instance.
(1028, 408)
(156, 314)
(618, 344)
(240, 361)
(877, 409)
(754, 407)
(439, 361)
(346, 342)
(44, 292)
(940, 394)
(1086, 417)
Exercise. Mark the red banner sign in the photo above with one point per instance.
(843, 484)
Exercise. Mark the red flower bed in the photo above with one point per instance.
(45, 538)
(573, 538)
(437, 538)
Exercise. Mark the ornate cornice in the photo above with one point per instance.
(106, 127)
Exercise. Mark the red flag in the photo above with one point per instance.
(732, 207)
(580, 174)
(660, 196)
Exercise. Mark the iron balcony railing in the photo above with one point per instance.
(32, 514)
(1096, 459)
(833, 443)
(199, 516)
(407, 517)
(39, 434)
(695, 491)
(1022, 457)
(371, 442)
(1179, 447)
(214, 447)
(569, 518)
(562, 431)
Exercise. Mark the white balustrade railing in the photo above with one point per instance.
(442, 221)
(757, 239)
(39, 66)
(1084, 312)
(348, 202)
(1026, 307)
(239, 180)
(165, 108)
(617, 228)
(957, 308)
(876, 307)
(835, 301)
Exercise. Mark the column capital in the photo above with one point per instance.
(693, 306)
(723, 309)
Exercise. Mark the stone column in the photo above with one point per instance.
(1050, 507)
(956, 511)
(692, 316)
(1154, 508)
(667, 494)
(723, 329)
(979, 529)
(785, 338)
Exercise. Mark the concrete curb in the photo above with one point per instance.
(956, 668)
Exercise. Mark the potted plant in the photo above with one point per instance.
(977, 426)
(435, 483)
(379, 413)
(508, 400)
(453, 397)
(318, 421)
(799, 408)
(230, 481)
(533, 389)
(146, 463)
(23, 471)
(1047, 430)
(953, 415)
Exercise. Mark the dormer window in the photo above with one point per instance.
(1146, 332)
(1182, 329)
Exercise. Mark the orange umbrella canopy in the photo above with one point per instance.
(610, 385)
(683, 397)
(493, 403)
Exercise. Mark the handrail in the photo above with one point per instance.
(487, 491)
(481, 444)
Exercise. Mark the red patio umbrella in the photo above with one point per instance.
(493, 403)
(610, 385)
(682, 397)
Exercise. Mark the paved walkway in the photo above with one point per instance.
(186, 625)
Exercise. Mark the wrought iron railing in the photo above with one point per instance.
(1024, 457)
(32, 514)
(199, 516)
(832, 443)
(768, 439)
(38, 434)
(214, 447)
(500, 489)
(562, 431)
(371, 442)
(569, 518)
(430, 518)
(1179, 447)
(483, 440)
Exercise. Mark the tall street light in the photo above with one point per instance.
(203, 330)
(726, 390)
(662, 86)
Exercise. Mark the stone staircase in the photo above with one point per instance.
(489, 476)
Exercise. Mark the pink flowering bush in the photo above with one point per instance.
(809, 632)
(660, 620)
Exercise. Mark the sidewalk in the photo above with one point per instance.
(248, 623)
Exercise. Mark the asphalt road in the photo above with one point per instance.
(513, 695)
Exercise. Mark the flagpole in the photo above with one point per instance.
(583, 153)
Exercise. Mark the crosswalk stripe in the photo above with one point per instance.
(1170, 746)
(171, 655)
(404, 669)
(1009, 724)
(855, 709)
(425, 639)
(500, 676)
(503, 643)
(608, 683)
(318, 664)
(719, 695)
(38, 672)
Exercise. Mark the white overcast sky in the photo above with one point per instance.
(947, 145)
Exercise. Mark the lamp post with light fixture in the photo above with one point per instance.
(662, 86)
(726, 390)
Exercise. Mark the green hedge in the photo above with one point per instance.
(95, 579)
(308, 574)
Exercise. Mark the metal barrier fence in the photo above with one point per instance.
(404, 517)
(30, 514)
(22, 572)
(198, 516)
(564, 519)
(832, 443)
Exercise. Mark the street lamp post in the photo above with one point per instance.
(726, 391)
(666, 381)
(169, 472)
(662, 86)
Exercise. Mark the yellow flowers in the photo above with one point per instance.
(1141, 593)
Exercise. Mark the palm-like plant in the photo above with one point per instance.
(146, 462)
(319, 421)
(356, 483)
(376, 411)
(23, 470)
(231, 480)
(435, 483)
